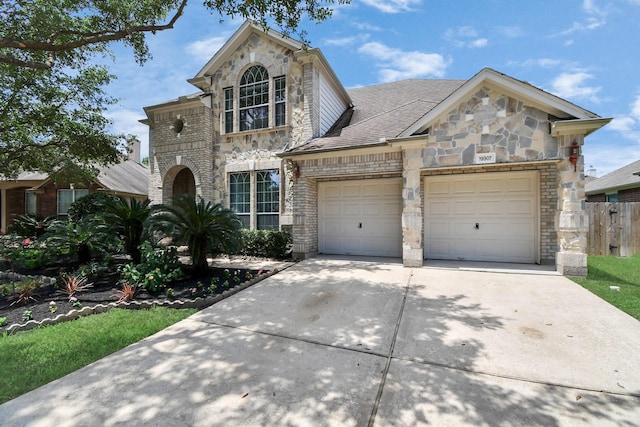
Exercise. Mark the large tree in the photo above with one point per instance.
(53, 97)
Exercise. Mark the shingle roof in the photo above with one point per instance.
(383, 111)
(620, 178)
(125, 177)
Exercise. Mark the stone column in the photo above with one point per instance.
(571, 218)
(305, 219)
(412, 223)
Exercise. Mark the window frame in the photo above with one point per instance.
(30, 203)
(228, 110)
(254, 99)
(280, 101)
(245, 202)
(267, 200)
(74, 196)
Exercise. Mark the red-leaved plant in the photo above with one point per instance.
(74, 284)
(127, 293)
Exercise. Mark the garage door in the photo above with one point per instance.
(482, 217)
(360, 217)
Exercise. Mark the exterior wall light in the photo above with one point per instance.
(296, 169)
(574, 152)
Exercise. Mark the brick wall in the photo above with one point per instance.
(597, 198)
(630, 195)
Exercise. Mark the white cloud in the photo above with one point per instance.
(596, 18)
(622, 124)
(465, 36)
(393, 6)
(572, 85)
(635, 108)
(204, 49)
(512, 32)
(396, 64)
(346, 41)
(478, 43)
(539, 62)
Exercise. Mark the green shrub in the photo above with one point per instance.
(157, 269)
(92, 203)
(265, 243)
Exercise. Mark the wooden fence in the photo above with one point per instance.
(614, 228)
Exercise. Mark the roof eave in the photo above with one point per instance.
(578, 126)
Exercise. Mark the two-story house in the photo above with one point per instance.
(486, 169)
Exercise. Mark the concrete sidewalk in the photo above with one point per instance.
(356, 342)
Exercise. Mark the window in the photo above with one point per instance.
(228, 110)
(67, 197)
(255, 198)
(612, 198)
(268, 199)
(240, 196)
(280, 84)
(30, 203)
(254, 99)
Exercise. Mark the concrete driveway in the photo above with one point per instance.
(355, 343)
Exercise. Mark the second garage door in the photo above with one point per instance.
(360, 217)
(482, 217)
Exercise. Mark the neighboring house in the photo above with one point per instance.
(621, 185)
(485, 169)
(37, 194)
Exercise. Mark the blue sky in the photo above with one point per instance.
(586, 51)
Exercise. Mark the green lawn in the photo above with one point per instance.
(606, 271)
(31, 359)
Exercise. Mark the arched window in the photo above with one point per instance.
(254, 99)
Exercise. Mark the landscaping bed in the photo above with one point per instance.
(49, 302)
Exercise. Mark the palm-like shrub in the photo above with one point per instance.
(81, 240)
(127, 220)
(30, 225)
(204, 227)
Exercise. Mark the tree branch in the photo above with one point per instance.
(84, 40)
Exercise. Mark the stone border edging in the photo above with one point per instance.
(198, 303)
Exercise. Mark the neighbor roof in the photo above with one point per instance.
(619, 179)
(125, 177)
(383, 111)
(128, 177)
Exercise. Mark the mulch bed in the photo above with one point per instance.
(104, 291)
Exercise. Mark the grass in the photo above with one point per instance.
(34, 358)
(606, 271)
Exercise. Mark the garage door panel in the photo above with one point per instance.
(437, 208)
(503, 204)
(463, 187)
(437, 187)
(370, 217)
(490, 186)
(519, 184)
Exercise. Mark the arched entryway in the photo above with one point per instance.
(184, 183)
(178, 180)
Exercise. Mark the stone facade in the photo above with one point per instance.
(483, 129)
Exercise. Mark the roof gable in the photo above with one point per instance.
(518, 89)
(233, 43)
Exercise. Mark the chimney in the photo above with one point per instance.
(134, 150)
(592, 172)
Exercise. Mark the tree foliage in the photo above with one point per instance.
(53, 98)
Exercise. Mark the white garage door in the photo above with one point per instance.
(360, 217)
(482, 217)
